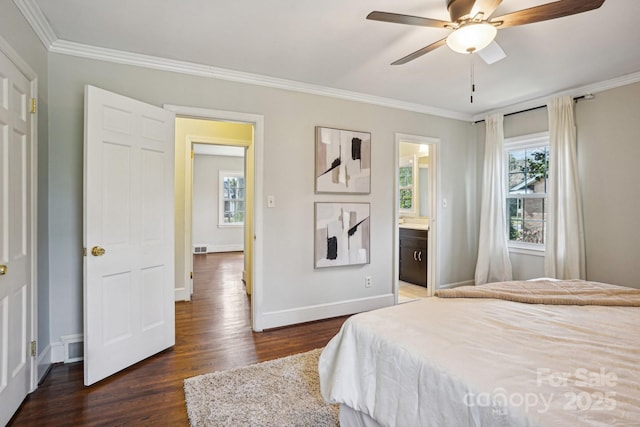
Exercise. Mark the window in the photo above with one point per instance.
(406, 185)
(527, 165)
(231, 195)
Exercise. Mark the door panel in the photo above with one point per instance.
(15, 238)
(129, 213)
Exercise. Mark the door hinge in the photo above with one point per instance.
(33, 349)
(191, 275)
(33, 105)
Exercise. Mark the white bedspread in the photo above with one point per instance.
(483, 362)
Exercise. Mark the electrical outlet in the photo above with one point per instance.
(368, 282)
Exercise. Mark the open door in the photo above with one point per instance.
(16, 239)
(128, 232)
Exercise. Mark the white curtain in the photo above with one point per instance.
(564, 245)
(493, 255)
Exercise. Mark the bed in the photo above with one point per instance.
(542, 353)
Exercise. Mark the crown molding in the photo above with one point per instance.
(184, 67)
(34, 16)
(575, 92)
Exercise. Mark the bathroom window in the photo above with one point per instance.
(407, 181)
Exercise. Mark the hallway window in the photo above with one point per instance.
(232, 194)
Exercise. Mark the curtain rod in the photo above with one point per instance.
(575, 99)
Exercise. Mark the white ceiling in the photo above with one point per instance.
(328, 45)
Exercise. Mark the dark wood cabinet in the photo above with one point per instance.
(413, 256)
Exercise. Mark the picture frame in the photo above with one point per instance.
(343, 161)
(342, 234)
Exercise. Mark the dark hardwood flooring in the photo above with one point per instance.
(213, 333)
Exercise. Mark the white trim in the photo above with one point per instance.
(433, 247)
(17, 60)
(577, 91)
(457, 284)
(157, 63)
(526, 249)
(258, 149)
(57, 352)
(44, 362)
(236, 247)
(278, 318)
(527, 141)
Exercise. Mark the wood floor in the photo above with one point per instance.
(213, 332)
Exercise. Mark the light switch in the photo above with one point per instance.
(271, 201)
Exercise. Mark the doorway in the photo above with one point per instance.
(416, 192)
(252, 244)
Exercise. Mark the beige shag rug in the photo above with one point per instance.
(281, 392)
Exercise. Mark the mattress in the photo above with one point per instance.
(487, 362)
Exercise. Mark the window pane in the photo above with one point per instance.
(516, 183)
(534, 220)
(537, 165)
(514, 211)
(405, 199)
(406, 176)
(240, 193)
(516, 161)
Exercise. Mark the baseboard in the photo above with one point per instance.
(204, 248)
(278, 318)
(239, 247)
(457, 284)
(44, 362)
(182, 294)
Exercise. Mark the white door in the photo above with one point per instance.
(128, 232)
(15, 239)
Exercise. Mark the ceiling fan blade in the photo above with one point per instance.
(397, 18)
(547, 11)
(420, 52)
(492, 53)
(487, 7)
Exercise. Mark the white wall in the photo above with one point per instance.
(205, 228)
(608, 152)
(290, 283)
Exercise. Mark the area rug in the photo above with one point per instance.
(281, 392)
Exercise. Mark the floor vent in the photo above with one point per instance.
(73, 348)
(199, 249)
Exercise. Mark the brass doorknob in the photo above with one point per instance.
(3, 270)
(97, 251)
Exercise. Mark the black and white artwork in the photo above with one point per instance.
(343, 161)
(342, 234)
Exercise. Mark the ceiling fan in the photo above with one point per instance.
(473, 26)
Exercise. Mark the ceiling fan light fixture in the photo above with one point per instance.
(472, 37)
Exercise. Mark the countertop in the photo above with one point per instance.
(414, 226)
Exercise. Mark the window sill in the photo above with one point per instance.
(236, 225)
(524, 249)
